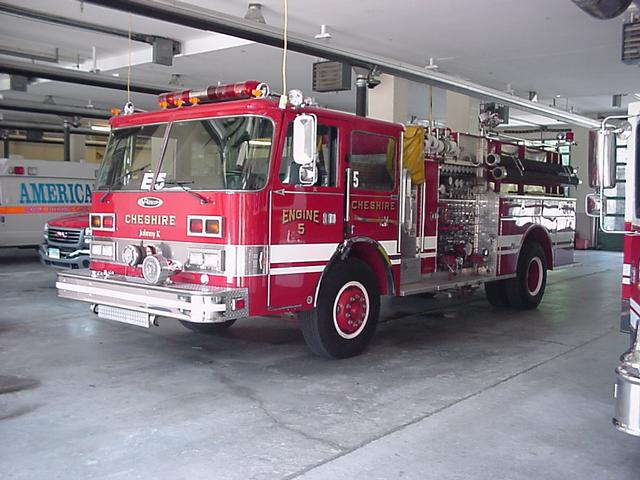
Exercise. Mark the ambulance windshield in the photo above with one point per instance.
(229, 153)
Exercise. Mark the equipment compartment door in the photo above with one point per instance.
(307, 221)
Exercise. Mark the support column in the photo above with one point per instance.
(67, 142)
(462, 113)
(390, 100)
(77, 148)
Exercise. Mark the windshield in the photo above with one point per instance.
(128, 156)
(230, 153)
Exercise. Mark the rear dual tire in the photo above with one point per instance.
(526, 290)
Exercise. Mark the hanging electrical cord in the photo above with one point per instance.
(129, 65)
(284, 47)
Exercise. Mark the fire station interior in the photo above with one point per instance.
(301, 239)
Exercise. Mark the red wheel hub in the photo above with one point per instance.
(351, 309)
(534, 276)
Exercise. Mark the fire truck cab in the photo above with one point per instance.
(228, 203)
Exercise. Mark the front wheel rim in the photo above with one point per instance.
(535, 276)
(351, 310)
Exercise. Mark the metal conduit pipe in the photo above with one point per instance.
(197, 17)
(43, 127)
(53, 109)
(361, 96)
(26, 69)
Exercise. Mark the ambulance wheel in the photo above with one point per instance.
(496, 293)
(526, 290)
(346, 316)
(208, 327)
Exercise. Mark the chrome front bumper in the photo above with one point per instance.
(183, 301)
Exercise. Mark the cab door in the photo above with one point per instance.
(373, 207)
(306, 221)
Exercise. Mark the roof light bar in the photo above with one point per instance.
(214, 93)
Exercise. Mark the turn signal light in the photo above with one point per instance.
(213, 227)
(103, 221)
(204, 226)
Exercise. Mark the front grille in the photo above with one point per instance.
(64, 236)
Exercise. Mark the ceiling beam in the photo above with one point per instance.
(203, 19)
(13, 67)
(93, 27)
(53, 109)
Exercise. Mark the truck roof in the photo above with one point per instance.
(266, 106)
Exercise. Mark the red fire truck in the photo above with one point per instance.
(627, 388)
(229, 202)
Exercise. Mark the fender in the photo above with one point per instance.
(540, 234)
(350, 248)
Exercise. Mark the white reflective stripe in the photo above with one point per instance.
(508, 252)
(634, 305)
(302, 252)
(626, 269)
(509, 240)
(292, 270)
(428, 255)
(560, 237)
(430, 243)
(398, 261)
(390, 246)
(626, 281)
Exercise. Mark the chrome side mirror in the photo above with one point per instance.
(606, 158)
(304, 139)
(593, 205)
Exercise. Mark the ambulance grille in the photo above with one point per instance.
(64, 236)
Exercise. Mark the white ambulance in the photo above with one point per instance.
(32, 192)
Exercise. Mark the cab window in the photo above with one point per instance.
(327, 143)
(373, 161)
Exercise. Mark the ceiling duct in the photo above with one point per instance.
(604, 9)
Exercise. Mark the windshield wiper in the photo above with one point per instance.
(118, 181)
(183, 185)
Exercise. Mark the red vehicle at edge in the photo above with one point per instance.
(66, 242)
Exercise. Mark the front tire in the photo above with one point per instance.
(208, 327)
(346, 316)
(526, 290)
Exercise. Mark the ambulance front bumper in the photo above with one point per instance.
(182, 301)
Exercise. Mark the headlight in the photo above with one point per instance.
(213, 260)
(87, 232)
(46, 231)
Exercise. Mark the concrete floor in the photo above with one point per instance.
(450, 389)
